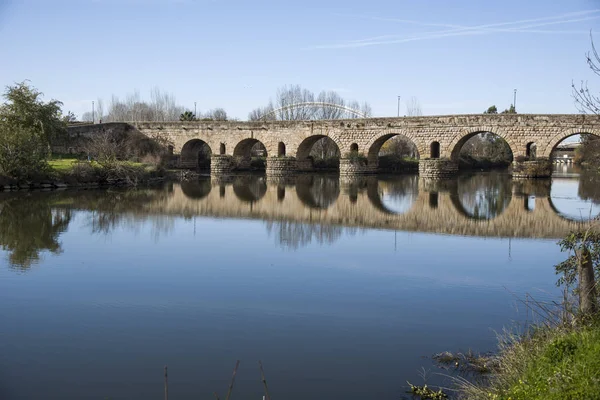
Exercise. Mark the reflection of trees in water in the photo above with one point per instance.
(28, 226)
(293, 235)
(32, 223)
(113, 210)
(318, 191)
(484, 196)
(589, 186)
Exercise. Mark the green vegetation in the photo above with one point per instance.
(30, 127)
(485, 151)
(588, 153)
(560, 358)
(558, 363)
(27, 128)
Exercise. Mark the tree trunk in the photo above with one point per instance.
(587, 285)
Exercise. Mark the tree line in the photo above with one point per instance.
(161, 107)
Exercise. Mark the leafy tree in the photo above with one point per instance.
(510, 110)
(27, 128)
(187, 116)
(491, 110)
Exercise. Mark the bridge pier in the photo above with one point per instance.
(356, 166)
(281, 166)
(437, 168)
(540, 168)
(221, 164)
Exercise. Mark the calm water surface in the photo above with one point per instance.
(342, 288)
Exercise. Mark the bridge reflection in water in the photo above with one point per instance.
(309, 208)
(473, 205)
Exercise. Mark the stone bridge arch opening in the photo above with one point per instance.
(394, 152)
(250, 154)
(318, 153)
(573, 147)
(195, 154)
(482, 150)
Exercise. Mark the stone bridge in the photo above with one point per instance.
(438, 140)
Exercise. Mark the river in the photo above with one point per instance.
(343, 288)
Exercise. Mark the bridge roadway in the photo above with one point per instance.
(358, 203)
(434, 136)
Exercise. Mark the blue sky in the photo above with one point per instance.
(455, 57)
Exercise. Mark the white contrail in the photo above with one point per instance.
(472, 30)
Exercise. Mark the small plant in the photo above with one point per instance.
(355, 156)
(426, 393)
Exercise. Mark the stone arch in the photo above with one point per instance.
(281, 149)
(243, 148)
(375, 144)
(304, 162)
(460, 139)
(354, 147)
(222, 149)
(242, 154)
(556, 139)
(195, 153)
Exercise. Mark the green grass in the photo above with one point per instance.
(64, 164)
(67, 164)
(552, 364)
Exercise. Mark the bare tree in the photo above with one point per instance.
(87, 117)
(326, 111)
(217, 114)
(413, 107)
(99, 109)
(262, 114)
(585, 101)
(294, 103)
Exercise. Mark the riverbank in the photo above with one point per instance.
(549, 363)
(65, 173)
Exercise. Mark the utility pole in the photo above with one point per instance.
(93, 113)
(398, 105)
(195, 110)
(515, 100)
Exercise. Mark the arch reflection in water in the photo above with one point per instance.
(197, 189)
(398, 194)
(483, 196)
(318, 191)
(576, 198)
(249, 188)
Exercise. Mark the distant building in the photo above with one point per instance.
(565, 152)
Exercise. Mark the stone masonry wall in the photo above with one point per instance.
(367, 134)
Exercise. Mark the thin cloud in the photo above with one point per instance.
(524, 26)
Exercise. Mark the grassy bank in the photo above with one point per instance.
(73, 172)
(558, 363)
